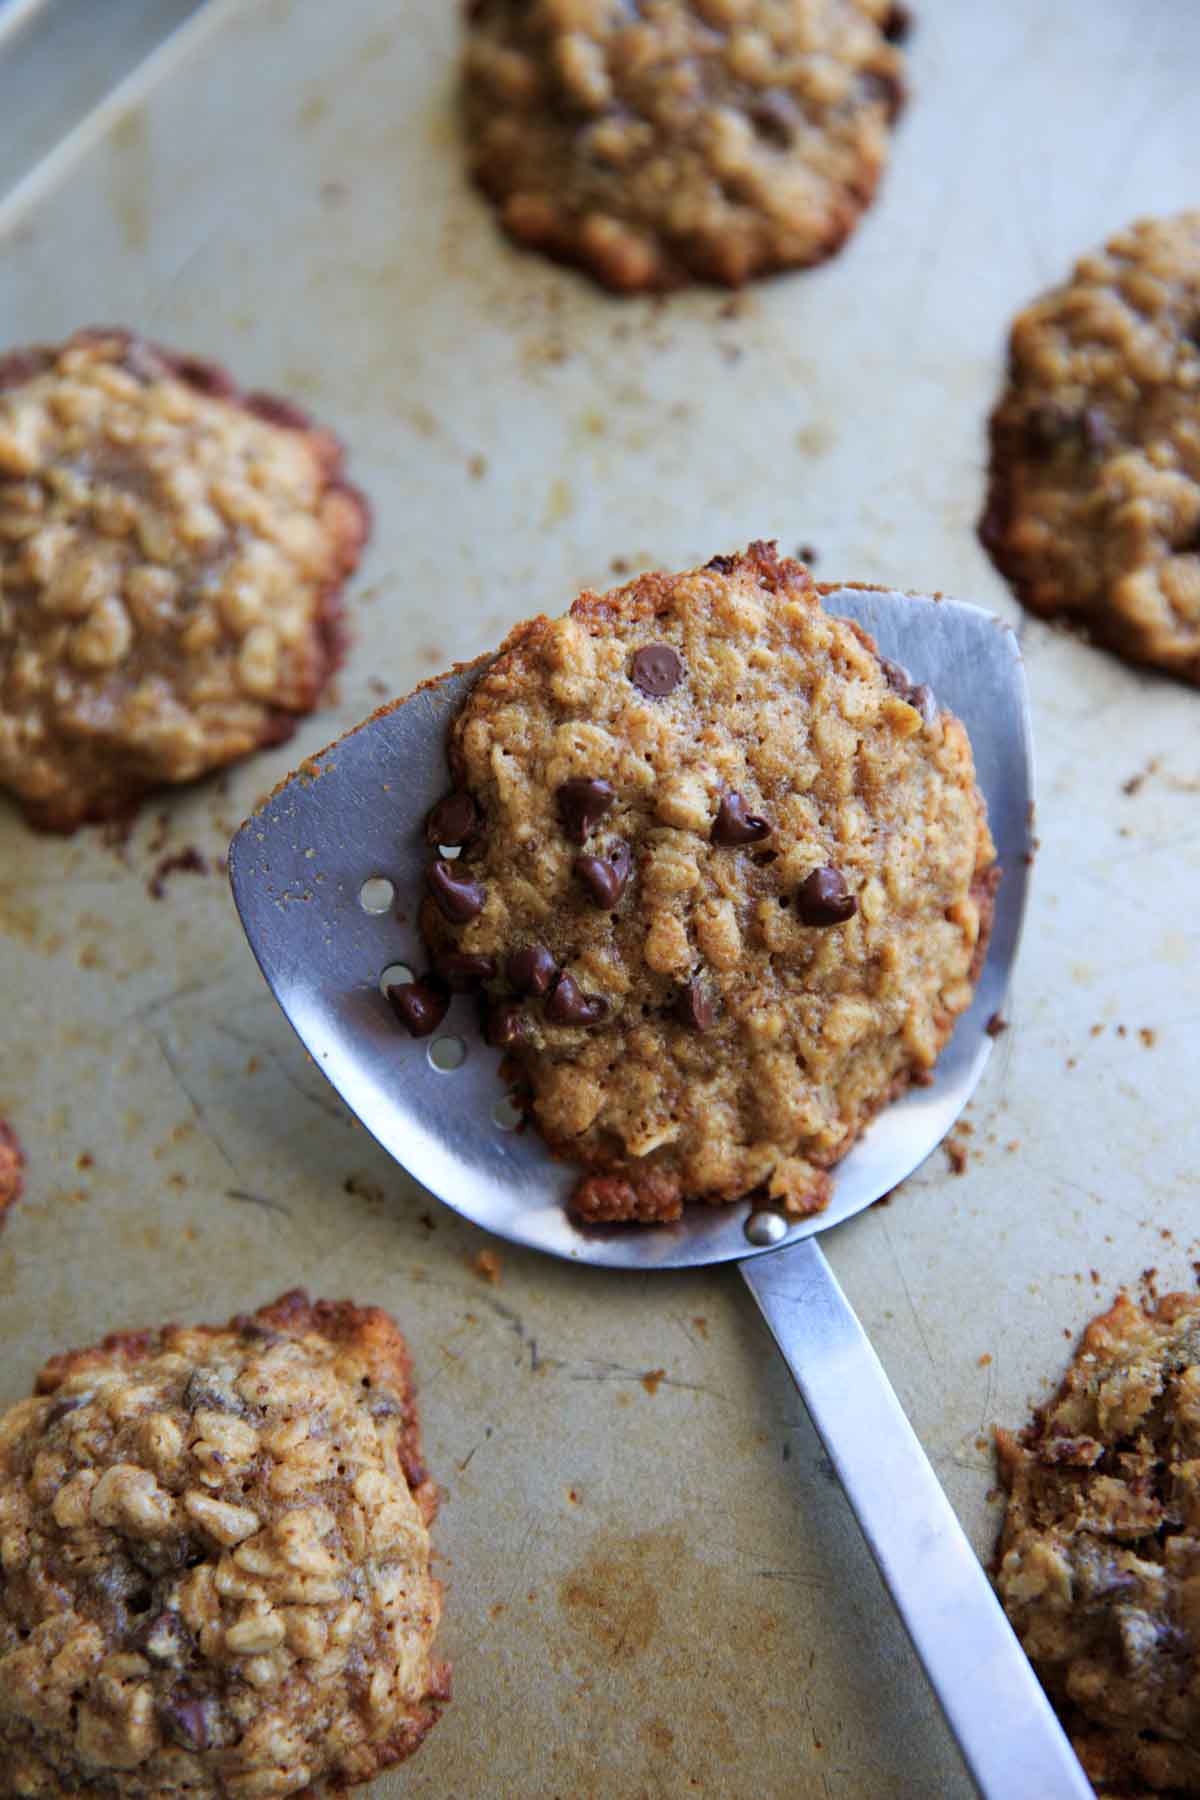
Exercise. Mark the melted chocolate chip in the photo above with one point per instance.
(724, 565)
(655, 670)
(918, 694)
(776, 117)
(68, 1404)
(896, 676)
(925, 701)
(823, 899)
(462, 972)
(582, 804)
(1098, 430)
(454, 820)
(419, 1006)
(186, 1722)
(568, 1005)
(734, 825)
(694, 1006)
(507, 1026)
(1049, 423)
(888, 88)
(531, 969)
(605, 877)
(458, 897)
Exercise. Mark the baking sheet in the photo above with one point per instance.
(655, 1587)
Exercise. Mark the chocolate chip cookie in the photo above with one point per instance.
(12, 1165)
(216, 1562)
(1098, 1564)
(653, 141)
(171, 559)
(1093, 509)
(724, 884)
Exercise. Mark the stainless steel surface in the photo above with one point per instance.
(655, 1588)
(354, 814)
(328, 876)
(58, 58)
(1013, 1743)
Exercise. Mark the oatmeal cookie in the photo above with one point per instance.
(725, 884)
(1098, 1563)
(171, 559)
(12, 1164)
(215, 1556)
(1093, 509)
(651, 141)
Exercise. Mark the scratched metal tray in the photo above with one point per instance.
(654, 1587)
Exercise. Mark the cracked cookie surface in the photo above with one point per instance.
(215, 1557)
(652, 141)
(726, 883)
(172, 553)
(1098, 1563)
(1093, 509)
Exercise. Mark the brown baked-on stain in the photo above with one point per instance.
(12, 1166)
(628, 1621)
(652, 1380)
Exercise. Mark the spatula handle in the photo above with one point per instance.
(1013, 1744)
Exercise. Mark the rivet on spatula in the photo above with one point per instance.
(764, 1228)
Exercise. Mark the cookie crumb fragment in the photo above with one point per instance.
(12, 1170)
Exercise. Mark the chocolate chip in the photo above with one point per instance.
(605, 877)
(656, 670)
(734, 825)
(1049, 423)
(454, 820)
(918, 694)
(531, 969)
(823, 899)
(162, 1638)
(419, 1006)
(567, 1005)
(922, 697)
(724, 565)
(186, 1722)
(897, 24)
(506, 1026)
(582, 804)
(776, 117)
(694, 1007)
(896, 676)
(458, 897)
(1098, 430)
(888, 88)
(462, 972)
(68, 1404)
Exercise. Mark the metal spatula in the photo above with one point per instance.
(322, 873)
